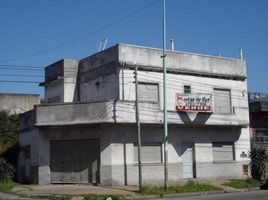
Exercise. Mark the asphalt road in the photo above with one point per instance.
(251, 195)
(4, 196)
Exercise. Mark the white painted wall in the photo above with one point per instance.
(175, 83)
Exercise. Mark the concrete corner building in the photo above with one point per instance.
(86, 130)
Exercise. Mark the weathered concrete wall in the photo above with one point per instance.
(18, 103)
(117, 166)
(70, 78)
(124, 112)
(153, 173)
(28, 167)
(98, 76)
(175, 83)
(181, 61)
(101, 88)
(74, 113)
(54, 91)
(60, 82)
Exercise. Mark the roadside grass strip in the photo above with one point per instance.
(102, 197)
(243, 183)
(7, 186)
(188, 187)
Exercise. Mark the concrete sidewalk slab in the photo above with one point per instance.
(38, 190)
(6, 196)
(129, 192)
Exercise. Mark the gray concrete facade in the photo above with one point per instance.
(100, 105)
(18, 103)
(117, 165)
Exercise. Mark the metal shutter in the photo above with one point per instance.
(74, 161)
(223, 151)
(150, 152)
(148, 92)
(222, 101)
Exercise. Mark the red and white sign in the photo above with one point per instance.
(194, 102)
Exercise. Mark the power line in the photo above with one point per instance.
(21, 68)
(85, 35)
(22, 75)
(13, 81)
(27, 66)
(171, 85)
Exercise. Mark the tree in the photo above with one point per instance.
(259, 157)
(9, 126)
(7, 171)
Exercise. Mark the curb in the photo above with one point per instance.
(147, 197)
(189, 194)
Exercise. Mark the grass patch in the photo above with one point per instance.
(7, 186)
(55, 197)
(102, 197)
(188, 187)
(243, 183)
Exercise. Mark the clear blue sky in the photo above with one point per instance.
(30, 27)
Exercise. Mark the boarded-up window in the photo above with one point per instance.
(222, 101)
(223, 151)
(150, 152)
(148, 92)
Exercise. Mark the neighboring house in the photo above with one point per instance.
(258, 107)
(18, 103)
(86, 131)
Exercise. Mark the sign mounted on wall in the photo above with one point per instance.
(194, 102)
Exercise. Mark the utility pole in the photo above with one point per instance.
(138, 126)
(165, 99)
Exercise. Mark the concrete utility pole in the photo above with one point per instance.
(165, 98)
(138, 126)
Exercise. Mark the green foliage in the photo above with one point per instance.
(9, 125)
(7, 171)
(258, 156)
(7, 186)
(188, 187)
(53, 197)
(102, 197)
(264, 186)
(241, 183)
(9, 148)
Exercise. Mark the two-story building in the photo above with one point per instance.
(258, 112)
(86, 130)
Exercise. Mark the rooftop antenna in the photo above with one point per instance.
(241, 53)
(103, 44)
(172, 44)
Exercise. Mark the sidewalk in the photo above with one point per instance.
(44, 190)
(128, 191)
(5, 196)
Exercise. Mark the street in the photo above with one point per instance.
(4, 196)
(251, 195)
